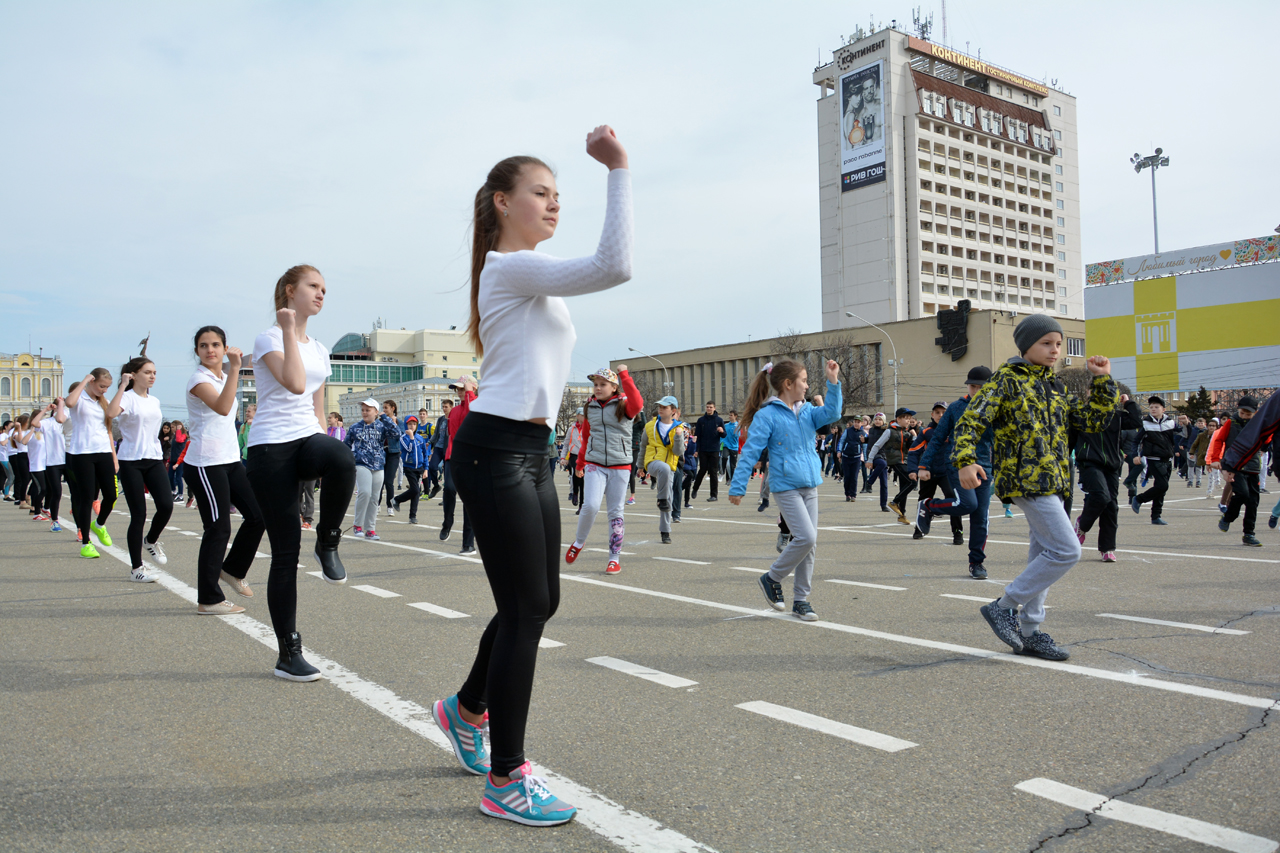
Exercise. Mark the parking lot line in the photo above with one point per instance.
(656, 676)
(544, 643)
(866, 737)
(678, 560)
(1184, 827)
(870, 585)
(1207, 628)
(439, 611)
(373, 590)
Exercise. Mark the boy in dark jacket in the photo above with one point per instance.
(1029, 410)
(894, 446)
(1240, 465)
(1100, 457)
(1156, 444)
(933, 476)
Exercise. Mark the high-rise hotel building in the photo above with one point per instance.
(943, 177)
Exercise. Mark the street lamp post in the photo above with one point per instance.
(667, 383)
(895, 353)
(1155, 161)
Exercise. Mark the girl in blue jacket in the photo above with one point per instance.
(776, 417)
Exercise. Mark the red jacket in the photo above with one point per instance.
(456, 416)
(632, 403)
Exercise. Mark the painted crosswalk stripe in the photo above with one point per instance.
(438, 610)
(986, 600)
(373, 590)
(678, 560)
(1207, 628)
(606, 551)
(866, 737)
(1210, 834)
(871, 585)
(544, 643)
(748, 569)
(644, 672)
(621, 826)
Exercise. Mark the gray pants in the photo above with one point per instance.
(611, 485)
(368, 490)
(799, 508)
(661, 473)
(1054, 549)
(307, 499)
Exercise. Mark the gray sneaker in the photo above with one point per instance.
(783, 539)
(772, 592)
(1041, 645)
(804, 611)
(1004, 623)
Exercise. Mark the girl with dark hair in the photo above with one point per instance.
(49, 421)
(91, 459)
(777, 417)
(605, 459)
(19, 458)
(520, 323)
(287, 446)
(142, 467)
(34, 445)
(6, 471)
(217, 477)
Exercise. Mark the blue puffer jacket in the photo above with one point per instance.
(788, 435)
(938, 456)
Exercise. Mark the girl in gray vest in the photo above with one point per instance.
(606, 456)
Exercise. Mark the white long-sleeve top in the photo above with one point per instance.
(524, 322)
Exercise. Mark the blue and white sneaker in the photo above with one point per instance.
(525, 799)
(772, 591)
(467, 740)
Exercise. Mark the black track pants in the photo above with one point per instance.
(152, 474)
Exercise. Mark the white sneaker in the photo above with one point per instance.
(140, 576)
(390, 512)
(222, 608)
(156, 552)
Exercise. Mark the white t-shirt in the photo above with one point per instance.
(213, 436)
(16, 446)
(140, 419)
(35, 450)
(55, 445)
(89, 427)
(283, 416)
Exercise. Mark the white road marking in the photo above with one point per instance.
(1131, 678)
(316, 574)
(871, 585)
(188, 533)
(544, 643)
(439, 611)
(373, 590)
(1207, 628)
(866, 737)
(1184, 827)
(678, 560)
(967, 597)
(621, 826)
(606, 551)
(657, 677)
(748, 569)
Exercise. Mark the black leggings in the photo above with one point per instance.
(389, 468)
(512, 500)
(134, 475)
(275, 470)
(94, 472)
(216, 488)
(21, 465)
(36, 491)
(52, 496)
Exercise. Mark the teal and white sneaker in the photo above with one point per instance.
(525, 799)
(467, 740)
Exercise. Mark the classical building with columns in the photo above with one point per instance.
(27, 381)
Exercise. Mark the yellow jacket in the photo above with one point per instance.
(657, 449)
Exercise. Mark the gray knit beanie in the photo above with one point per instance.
(1032, 329)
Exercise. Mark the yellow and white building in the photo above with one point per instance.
(27, 381)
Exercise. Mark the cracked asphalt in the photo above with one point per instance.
(133, 724)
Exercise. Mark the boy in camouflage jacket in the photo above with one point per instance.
(1030, 411)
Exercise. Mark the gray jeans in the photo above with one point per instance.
(307, 499)
(661, 473)
(799, 508)
(1054, 549)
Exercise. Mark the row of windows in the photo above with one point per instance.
(937, 149)
(382, 374)
(981, 142)
(24, 387)
(984, 276)
(994, 201)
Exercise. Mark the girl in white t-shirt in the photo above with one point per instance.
(217, 477)
(91, 458)
(142, 468)
(48, 422)
(287, 446)
(6, 471)
(19, 461)
(31, 442)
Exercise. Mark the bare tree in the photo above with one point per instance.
(649, 384)
(787, 344)
(857, 366)
(1079, 381)
(570, 402)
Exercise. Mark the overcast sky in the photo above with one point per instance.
(163, 163)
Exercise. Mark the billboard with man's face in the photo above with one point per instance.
(862, 127)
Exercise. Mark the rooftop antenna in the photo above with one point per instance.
(944, 23)
(923, 26)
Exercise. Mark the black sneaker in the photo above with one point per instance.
(957, 537)
(1041, 645)
(664, 504)
(1250, 540)
(917, 533)
(666, 539)
(1159, 521)
(1004, 623)
(1272, 520)
(445, 531)
(327, 556)
(1135, 505)
(923, 519)
(764, 504)
(291, 665)
(413, 519)
(435, 490)
(804, 612)
(1224, 525)
(977, 571)
(772, 592)
(712, 499)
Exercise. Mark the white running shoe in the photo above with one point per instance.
(156, 552)
(140, 576)
(390, 512)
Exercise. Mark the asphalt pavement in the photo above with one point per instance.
(671, 704)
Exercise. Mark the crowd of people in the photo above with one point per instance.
(1015, 432)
